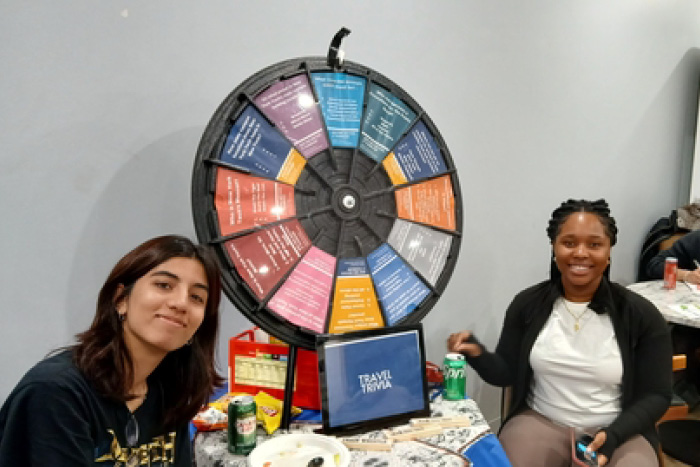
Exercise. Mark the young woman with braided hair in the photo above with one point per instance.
(582, 354)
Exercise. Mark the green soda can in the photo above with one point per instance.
(455, 378)
(241, 425)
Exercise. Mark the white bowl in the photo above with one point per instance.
(294, 450)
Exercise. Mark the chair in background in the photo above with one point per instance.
(668, 243)
(680, 437)
(678, 408)
(660, 237)
(506, 396)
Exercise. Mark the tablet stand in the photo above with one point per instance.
(289, 387)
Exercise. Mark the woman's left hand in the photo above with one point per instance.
(598, 441)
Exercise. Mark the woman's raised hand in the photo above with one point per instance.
(462, 342)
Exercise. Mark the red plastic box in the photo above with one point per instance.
(259, 366)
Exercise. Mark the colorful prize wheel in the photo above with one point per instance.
(330, 198)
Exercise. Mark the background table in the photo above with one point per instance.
(676, 435)
(655, 292)
(474, 446)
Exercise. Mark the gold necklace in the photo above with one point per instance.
(577, 318)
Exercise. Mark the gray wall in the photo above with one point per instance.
(102, 105)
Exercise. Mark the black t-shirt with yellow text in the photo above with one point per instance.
(55, 417)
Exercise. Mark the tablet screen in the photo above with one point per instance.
(372, 378)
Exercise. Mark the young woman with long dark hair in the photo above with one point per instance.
(125, 392)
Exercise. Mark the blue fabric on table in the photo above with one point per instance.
(308, 415)
(487, 452)
(219, 392)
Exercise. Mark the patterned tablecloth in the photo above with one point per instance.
(667, 301)
(474, 445)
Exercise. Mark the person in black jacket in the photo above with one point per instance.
(687, 251)
(582, 354)
(686, 340)
(124, 394)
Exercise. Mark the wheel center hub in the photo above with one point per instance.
(347, 202)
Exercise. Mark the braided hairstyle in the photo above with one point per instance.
(561, 214)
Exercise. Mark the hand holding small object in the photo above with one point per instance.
(692, 277)
(597, 442)
(463, 342)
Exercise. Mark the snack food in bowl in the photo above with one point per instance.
(300, 450)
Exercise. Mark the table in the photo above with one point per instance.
(655, 292)
(474, 445)
(675, 435)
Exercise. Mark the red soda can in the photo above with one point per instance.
(670, 271)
